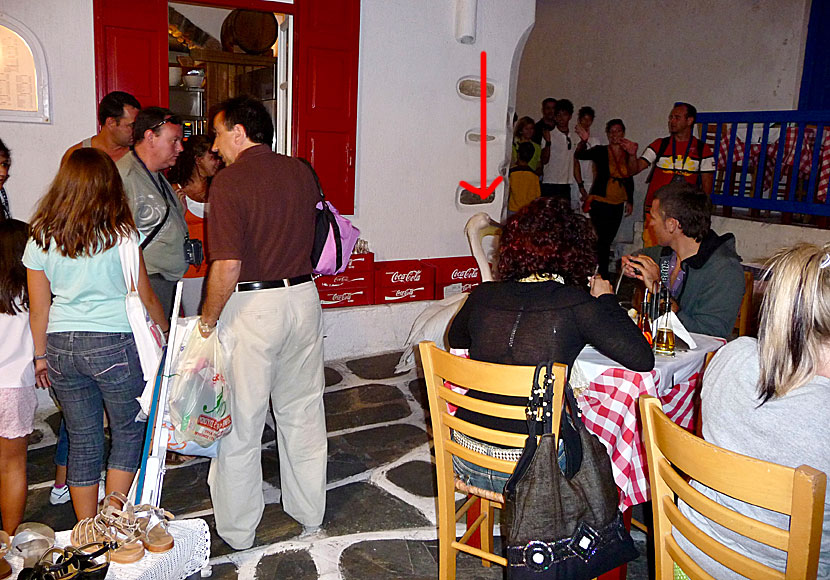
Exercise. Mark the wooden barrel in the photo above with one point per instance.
(254, 32)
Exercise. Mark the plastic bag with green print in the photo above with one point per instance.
(199, 406)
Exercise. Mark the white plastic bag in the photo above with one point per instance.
(199, 408)
(149, 340)
(175, 443)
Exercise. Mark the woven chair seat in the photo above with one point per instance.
(485, 493)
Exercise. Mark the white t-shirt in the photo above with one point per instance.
(17, 370)
(560, 168)
(587, 166)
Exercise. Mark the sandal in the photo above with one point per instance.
(155, 533)
(118, 530)
(93, 559)
(5, 544)
(54, 564)
(31, 540)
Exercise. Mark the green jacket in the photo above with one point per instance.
(713, 288)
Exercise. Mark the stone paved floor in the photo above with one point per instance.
(380, 517)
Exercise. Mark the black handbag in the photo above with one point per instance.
(562, 525)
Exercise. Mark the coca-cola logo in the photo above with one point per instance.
(341, 297)
(411, 276)
(467, 274)
(404, 293)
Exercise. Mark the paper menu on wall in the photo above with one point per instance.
(18, 77)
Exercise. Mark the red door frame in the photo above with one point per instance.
(298, 10)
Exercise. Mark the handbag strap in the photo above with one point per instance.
(540, 400)
(539, 415)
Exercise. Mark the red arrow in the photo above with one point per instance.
(483, 192)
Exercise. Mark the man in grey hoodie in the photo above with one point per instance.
(702, 269)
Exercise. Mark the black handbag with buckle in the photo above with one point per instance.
(562, 525)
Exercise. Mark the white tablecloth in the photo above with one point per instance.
(189, 555)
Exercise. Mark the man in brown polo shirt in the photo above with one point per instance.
(260, 233)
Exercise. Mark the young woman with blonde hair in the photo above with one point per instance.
(83, 342)
(769, 398)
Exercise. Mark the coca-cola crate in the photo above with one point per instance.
(403, 281)
(361, 263)
(346, 280)
(403, 293)
(340, 297)
(404, 273)
(454, 275)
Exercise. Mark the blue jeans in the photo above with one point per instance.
(488, 479)
(62, 447)
(90, 371)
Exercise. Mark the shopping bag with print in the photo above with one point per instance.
(199, 406)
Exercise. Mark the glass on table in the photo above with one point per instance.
(664, 338)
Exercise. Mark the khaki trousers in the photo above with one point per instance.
(277, 356)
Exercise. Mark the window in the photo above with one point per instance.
(24, 89)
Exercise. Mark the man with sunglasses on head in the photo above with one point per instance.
(558, 153)
(157, 212)
(679, 157)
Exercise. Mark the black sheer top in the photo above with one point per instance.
(520, 323)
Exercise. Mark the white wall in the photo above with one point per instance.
(633, 60)
(411, 152)
(64, 28)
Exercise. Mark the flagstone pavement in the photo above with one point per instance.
(380, 517)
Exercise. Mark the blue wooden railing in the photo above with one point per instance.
(754, 170)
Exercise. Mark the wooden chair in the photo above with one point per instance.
(508, 380)
(743, 324)
(799, 493)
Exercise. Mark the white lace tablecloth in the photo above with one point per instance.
(189, 555)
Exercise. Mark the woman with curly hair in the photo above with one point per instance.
(83, 342)
(541, 310)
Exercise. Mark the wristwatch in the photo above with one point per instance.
(40, 357)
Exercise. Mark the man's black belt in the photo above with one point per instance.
(265, 285)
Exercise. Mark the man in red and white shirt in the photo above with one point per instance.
(678, 157)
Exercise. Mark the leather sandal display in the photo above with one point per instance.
(117, 527)
(155, 533)
(5, 544)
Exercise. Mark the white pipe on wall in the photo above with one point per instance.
(465, 21)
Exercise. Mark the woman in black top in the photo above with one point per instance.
(542, 310)
(612, 191)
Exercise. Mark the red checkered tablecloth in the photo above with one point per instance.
(609, 407)
(805, 160)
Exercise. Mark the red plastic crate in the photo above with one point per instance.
(454, 275)
(408, 273)
(403, 293)
(340, 297)
(361, 263)
(346, 280)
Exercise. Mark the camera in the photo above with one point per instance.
(193, 252)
